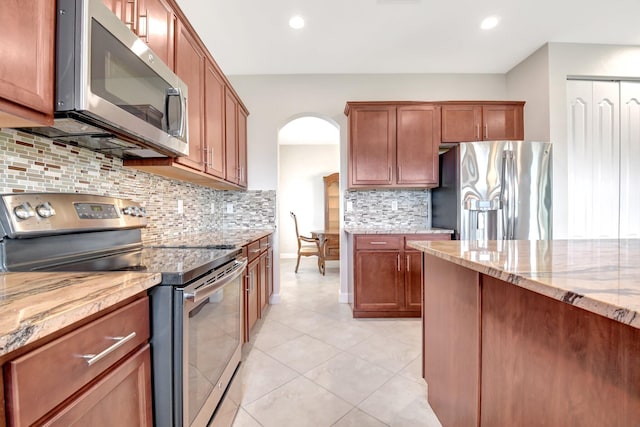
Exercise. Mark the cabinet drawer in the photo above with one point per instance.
(253, 250)
(379, 241)
(431, 236)
(264, 243)
(41, 379)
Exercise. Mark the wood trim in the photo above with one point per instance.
(168, 167)
(352, 104)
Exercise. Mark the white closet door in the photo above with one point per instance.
(629, 159)
(593, 150)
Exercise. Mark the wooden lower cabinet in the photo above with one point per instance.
(451, 325)
(388, 275)
(259, 281)
(122, 398)
(251, 297)
(64, 382)
(496, 354)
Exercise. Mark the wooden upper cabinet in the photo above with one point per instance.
(215, 151)
(231, 132)
(27, 37)
(394, 145)
(236, 140)
(190, 68)
(156, 25)
(503, 122)
(242, 146)
(465, 122)
(372, 140)
(417, 143)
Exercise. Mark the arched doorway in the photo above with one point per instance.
(308, 150)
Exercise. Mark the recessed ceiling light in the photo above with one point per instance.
(489, 22)
(296, 22)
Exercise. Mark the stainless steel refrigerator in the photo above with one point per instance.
(495, 190)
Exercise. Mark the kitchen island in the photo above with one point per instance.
(532, 332)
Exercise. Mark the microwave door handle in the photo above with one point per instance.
(171, 92)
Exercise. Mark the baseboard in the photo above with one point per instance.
(343, 297)
(274, 299)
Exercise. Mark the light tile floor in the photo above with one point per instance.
(310, 363)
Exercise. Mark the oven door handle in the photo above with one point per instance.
(201, 290)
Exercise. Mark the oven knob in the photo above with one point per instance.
(128, 210)
(45, 210)
(143, 212)
(23, 211)
(135, 211)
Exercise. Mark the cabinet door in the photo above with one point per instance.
(156, 27)
(378, 281)
(242, 147)
(251, 296)
(503, 122)
(26, 73)
(190, 68)
(417, 142)
(263, 294)
(413, 280)
(231, 137)
(269, 272)
(461, 123)
(121, 398)
(214, 122)
(372, 143)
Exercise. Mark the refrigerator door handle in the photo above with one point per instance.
(507, 188)
(512, 196)
(503, 198)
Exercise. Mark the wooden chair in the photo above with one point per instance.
(307, 246)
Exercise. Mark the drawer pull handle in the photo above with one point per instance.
(120, 341)
(378, 243)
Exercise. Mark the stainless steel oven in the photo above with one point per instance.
(210, 354)
(112, 93)
(196, 310)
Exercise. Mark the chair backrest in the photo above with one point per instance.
(295, 222)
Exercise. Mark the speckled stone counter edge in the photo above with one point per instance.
(34, 305)
(593, 302)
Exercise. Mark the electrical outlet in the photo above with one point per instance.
(349, 206)
(229, 207)
(180, 206)
(213, 207)
(394, 205)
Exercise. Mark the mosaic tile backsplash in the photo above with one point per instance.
(31, 163)
(374, 209)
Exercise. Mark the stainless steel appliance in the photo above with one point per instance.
(196, 312)
(494, 190)
(112, 93)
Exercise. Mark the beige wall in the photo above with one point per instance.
(529, 81)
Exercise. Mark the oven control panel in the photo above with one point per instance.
(40, 214)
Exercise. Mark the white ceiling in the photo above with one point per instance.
(400, 36)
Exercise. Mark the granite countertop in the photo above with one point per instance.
(34, 305)
(396, 230)
(601, 276)
(237, 237)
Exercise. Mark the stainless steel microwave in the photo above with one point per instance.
(112, 93)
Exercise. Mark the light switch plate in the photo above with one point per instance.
(394, 205)
(213, 207)
(180, 206)
(229, 207)
(349, 206)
